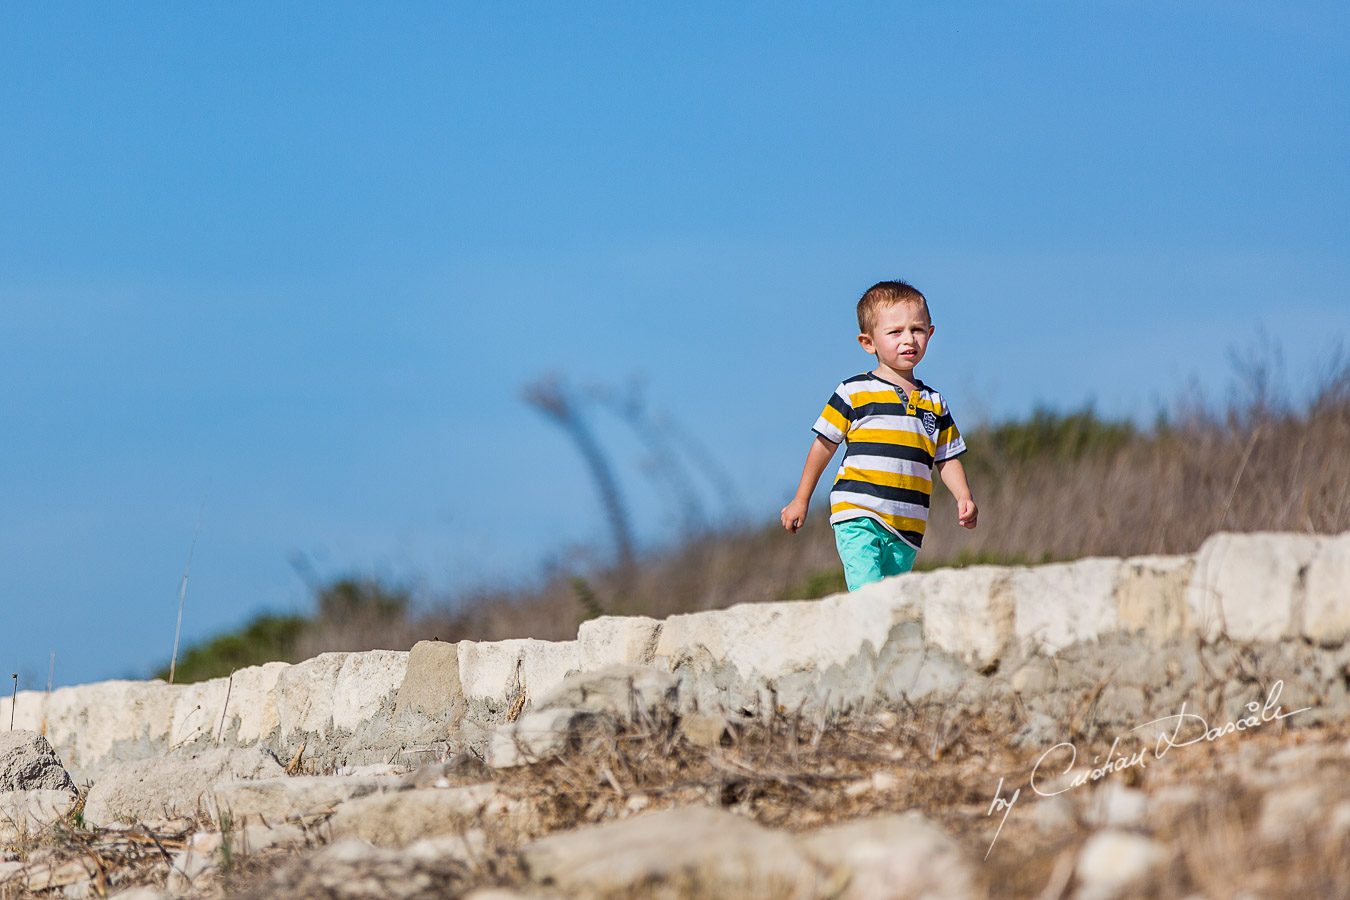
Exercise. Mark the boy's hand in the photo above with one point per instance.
(794, 515)
(966, 513)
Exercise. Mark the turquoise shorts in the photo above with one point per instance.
(870, 552)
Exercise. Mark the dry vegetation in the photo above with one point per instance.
(797, 774)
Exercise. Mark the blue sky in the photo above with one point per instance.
(298, 260)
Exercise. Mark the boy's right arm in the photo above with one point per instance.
(817, 458)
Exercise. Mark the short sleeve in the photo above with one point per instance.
(836, 418)
(950, 444)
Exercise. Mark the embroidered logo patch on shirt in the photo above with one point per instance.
(929, 423)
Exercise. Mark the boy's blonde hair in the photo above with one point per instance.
(884, 294)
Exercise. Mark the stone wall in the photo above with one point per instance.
(1115, 640)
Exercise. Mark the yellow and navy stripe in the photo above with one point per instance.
(893, 441)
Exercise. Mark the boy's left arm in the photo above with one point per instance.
(954, 477)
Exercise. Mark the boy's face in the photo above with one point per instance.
(899, 338)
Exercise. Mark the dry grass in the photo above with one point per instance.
(113, 858)
(792, 773)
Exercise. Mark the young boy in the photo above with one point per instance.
(896, 428)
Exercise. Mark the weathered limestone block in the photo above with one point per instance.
(271, 800)
(1061, 604)
(617, 640)
(337, 692)
(304, 695)
(1327, 609)
(94, 724)
(969, 612)
(431, 687)
(771, 640)
(172, 786)
(28, 763)
(693, 853)
(399, 818)
(364, 683)
(494, 675)
(896, 857)
(793, 651)
(1250, 587)
(1151, 595)
(27, 707)
(251, 710)
(910, 670)
(197, 711)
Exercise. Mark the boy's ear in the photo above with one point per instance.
(866, 340)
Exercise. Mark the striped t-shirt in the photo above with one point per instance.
(893, 441)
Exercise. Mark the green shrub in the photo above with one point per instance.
(265, 639)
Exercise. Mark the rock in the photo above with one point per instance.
(206, 851)
(706, 729)
(1116, 806)
(172, 786)
(1327, 604)
(630, 693)
(500, 676)
(968, 612)
(400, 818)
(1035, 676)
(462, 768)
(337, 692)
(274, 800)
(354, 870)
(1039, 731)
(1061, 604)
(237, 709)
(1151, 595)
(431, 686)
(692, 853)
(909, 669)
(1113, 862)
(791, 654)
(58, 874)
(623, 640)
(23, 812)
(1250, 587)
(89, 724)
(28, 763)
(538, 736)
(896, 857)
